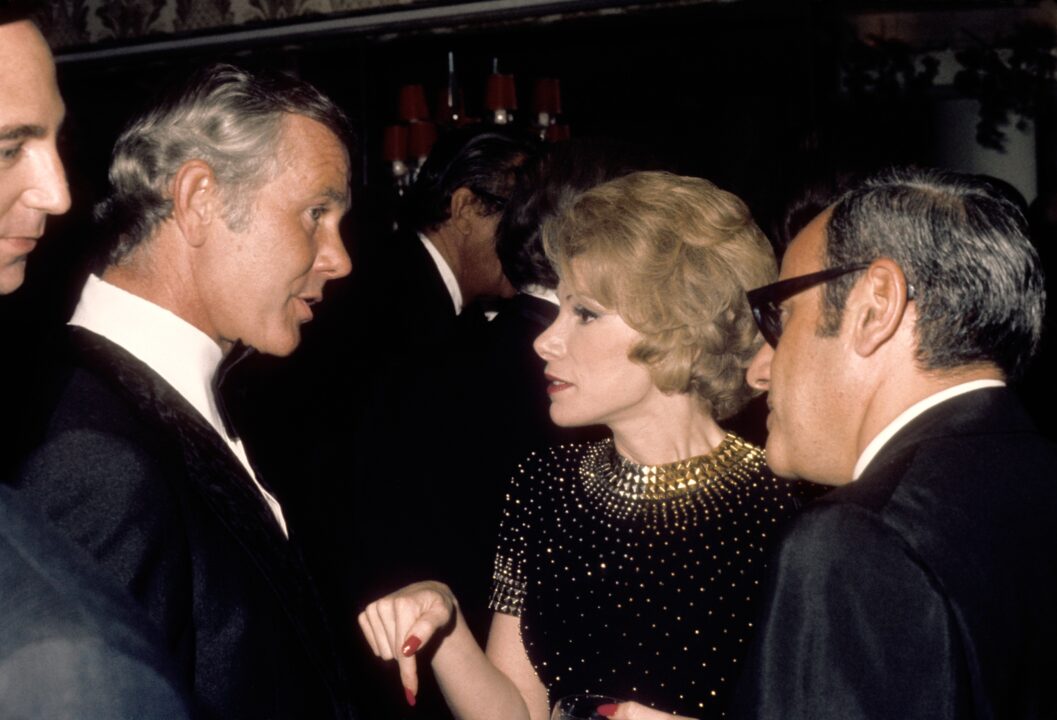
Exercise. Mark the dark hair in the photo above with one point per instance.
(223, 115)
(811, 198)
(963, 243)
(481, 158)
(545, 188)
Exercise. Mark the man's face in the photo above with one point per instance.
(483, 261)
(32, 181)
(806, 378)
(258, 284)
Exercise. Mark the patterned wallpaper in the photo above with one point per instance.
(72, 23)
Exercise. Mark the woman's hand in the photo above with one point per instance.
(397, 625)
(635, 711)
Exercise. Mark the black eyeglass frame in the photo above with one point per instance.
(766, 301)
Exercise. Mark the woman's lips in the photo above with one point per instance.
(556, 384)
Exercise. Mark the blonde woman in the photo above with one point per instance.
(628, 567)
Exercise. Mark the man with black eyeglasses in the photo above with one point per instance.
(925, 586)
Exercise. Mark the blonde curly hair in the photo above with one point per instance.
(673, 256)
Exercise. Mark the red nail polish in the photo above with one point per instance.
(410, 697)
(411, 646)
(607, 709)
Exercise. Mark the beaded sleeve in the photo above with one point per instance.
(508, 576)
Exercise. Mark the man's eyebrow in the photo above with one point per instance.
(21, 132)
(337, 196)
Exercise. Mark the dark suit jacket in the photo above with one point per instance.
(927, 588)
(398, 303)
(498, 391)
(469, 415)
(395, 304)
(435, 449)
(72, 645)
(133, 474)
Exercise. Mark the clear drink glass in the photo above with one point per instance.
(580, 707)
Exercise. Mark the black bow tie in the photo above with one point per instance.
(236, 355)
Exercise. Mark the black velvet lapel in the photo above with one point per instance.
(224, 483)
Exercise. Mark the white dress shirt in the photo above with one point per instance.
(184, 356)
(904, 418)
(445, 271)
(542, 293)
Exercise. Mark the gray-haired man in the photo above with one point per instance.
(223, 221)
(925, 585)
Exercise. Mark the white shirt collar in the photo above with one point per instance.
(541, 292)
(183, 355)
(445, 272)
(904, 418)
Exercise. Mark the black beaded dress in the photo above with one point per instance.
(635, 581)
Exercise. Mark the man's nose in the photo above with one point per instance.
(759, 373)
(333, 261)
(47, 190)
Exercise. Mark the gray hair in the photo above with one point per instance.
(222, 115)
(963, 243)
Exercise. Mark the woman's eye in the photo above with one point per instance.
(316, 213)
(584, 315)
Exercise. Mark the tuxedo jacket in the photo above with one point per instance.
(465, 418)
(438, 441)
(502, 391)
(134, 475)
(925, 589)
(399, 302)
(72, 644)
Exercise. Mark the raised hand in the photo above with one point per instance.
(400, 623)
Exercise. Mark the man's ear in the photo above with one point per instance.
(877, 305)
(465, 209)
(196, 201)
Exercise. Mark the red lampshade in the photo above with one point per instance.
(557, 132)
(394, 143)
(547, 96)
(500, 93)
(413, 103)
(420, 138)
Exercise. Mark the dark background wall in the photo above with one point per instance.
(751, 94)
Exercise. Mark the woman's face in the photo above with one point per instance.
(592, 380)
